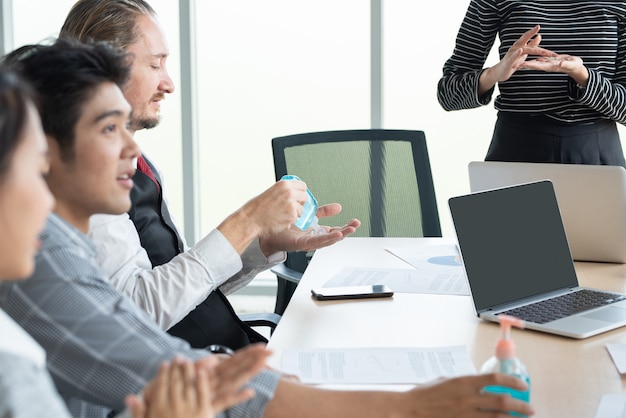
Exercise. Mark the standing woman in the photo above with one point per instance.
(558, 102)
(180, 390)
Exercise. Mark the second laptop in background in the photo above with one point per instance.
(591, 198)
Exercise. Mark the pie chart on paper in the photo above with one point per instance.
(445, 260)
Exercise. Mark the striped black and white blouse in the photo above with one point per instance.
(592, 30)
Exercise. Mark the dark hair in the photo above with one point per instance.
(113, 21)
(15, 96)
(65, 74)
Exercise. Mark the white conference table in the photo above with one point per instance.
(568, 376)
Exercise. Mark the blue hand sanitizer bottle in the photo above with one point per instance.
(505, 361)
(308, 219)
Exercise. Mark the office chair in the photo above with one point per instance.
(380, 176)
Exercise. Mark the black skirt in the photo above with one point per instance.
(540, 139)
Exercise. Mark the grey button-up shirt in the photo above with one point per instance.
(100, 346)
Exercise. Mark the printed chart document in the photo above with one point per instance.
(612, 405)
(440, 267)
(376, 365)
(437, 269)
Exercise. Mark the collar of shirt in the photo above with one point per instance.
(57, 227)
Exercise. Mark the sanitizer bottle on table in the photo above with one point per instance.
(505, 361)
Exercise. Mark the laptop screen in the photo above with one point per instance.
(512, 243)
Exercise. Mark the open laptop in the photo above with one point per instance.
(592, 200)
(517, 258)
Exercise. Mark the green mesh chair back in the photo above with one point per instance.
(382, 177)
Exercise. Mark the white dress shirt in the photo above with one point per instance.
(170, 291)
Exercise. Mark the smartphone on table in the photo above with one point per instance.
(352, 292)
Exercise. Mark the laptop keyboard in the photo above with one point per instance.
(563, 306)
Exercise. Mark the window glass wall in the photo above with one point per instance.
(283, 67)
(268, 69)
(29, 27)
(273, 68)
(163, 143)
(417, 42)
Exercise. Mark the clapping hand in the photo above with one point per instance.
(183, 389)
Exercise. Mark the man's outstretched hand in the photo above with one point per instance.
(294, 239)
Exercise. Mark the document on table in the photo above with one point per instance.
(403, 281)
(437, 269)
(376, 365)
(439, 266)
(618, 354)
(612, 405)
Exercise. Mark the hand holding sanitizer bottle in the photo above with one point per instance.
(505, 361)
(308, 219)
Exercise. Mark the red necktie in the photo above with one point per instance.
(143, 166)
